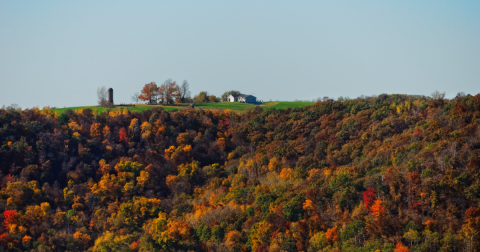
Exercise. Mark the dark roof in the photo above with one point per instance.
(241, 95)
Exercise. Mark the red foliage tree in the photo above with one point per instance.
(401, 248)
(5, 238)
(122, 135)
(472, 213)
(417, 133)
(369, 198)
(415, 178)
(417, 206)
(10, 217)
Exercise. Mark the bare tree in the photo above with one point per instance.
(184, 91)
(438, 96)
(135, 98)
(102, 96)
(162, 91)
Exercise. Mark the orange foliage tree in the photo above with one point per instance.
(401, 248)
(332, 235)
(169, 92)
(149, 93)
(378, 209)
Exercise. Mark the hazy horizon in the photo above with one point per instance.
(56, 53)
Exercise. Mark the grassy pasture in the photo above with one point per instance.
(138, 107)
(284, 105)
(235, 106)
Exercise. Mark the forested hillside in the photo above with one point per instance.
(387, 173)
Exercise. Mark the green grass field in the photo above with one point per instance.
(235, 106)
(284, 105)
(139, 107)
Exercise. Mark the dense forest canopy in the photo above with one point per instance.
(387, 173)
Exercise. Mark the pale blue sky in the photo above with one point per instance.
(56, 53)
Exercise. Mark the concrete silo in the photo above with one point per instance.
(110, 95)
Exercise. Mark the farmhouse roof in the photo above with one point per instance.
(240, 95)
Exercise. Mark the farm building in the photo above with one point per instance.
(242, 98)
(110, 96)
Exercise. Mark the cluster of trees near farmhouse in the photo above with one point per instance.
(170, 93)
(386, 173)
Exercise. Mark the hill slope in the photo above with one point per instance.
(390, 173)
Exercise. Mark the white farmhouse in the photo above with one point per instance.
(242, 98)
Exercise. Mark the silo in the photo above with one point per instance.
(110, 95)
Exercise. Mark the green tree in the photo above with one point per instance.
(226, 94)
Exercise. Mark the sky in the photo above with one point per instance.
(57, 53)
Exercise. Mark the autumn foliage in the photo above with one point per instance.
(369, 198)
(332, 235)
(10, 217)
(383, 173)
(401, 248)
(378, 209)
(149, 93)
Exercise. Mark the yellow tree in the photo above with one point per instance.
(96, 130)
(134, 126)
(143, 178)
(274, 164)
(81, 239)
(259, 234)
